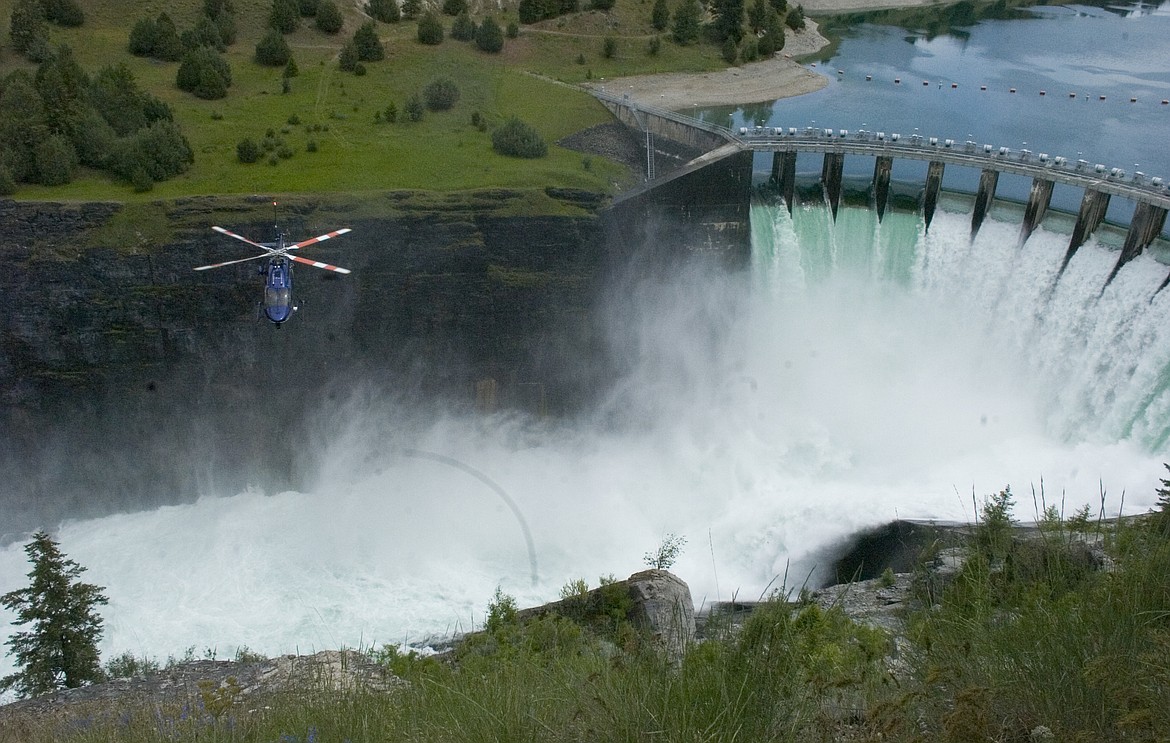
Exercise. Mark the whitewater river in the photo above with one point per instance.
(859, 372)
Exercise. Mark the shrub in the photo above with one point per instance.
(489, 37)
(660, 15)
(142, 37)
(517, 139)
(205, 33)
(386, 11)
(730, 50)
(60, 649)
(391, 113)
(795, 18)
(411, 9)
(247, 151)
(308, 8)
(204, 73)
(454, 7)
(654, 46)
(27, 27)
(430, 30)
(414, 108)
(686, 22)
(369, 48)
(609, 47)
(63, 12)
(272, 50)
(441, 94)
(513, 29)
(311, 146)
(329, 18)
(347, 60)
(290, 69)
(285, 16)
(7, 184)
(463, 28)
(55, 160)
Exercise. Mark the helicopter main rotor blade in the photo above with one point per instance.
(318, 264)
(319, 238)
(228, 263)
(240, 237)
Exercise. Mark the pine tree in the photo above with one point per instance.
(489, 37)
(60, 650)
(660, 15)
(686, 22)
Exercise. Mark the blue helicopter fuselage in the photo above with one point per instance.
(278, 290)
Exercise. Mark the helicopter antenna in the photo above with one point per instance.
(275, 223)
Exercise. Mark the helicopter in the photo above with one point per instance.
(278, 302)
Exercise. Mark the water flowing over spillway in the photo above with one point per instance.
(860, 372)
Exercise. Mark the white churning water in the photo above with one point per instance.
(860, 372)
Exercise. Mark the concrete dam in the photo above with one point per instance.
(709, 195)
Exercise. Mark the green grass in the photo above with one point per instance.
(443, 152)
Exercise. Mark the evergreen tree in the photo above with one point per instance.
(60, 648)
(463, 28)
(430, 30)
(601, 4)
(285, 16)
(143, 36)
(347, 60)
(795, 18)
(290, 69)
(1162, 515)
(411, 9)
(63, 12)
(273, 50)
(369, 47)
(197, 72)
(489, 37)
(686, 22)
(55, 160)
(204, 33)
(660, 15)
(772, 40)
(329, 18)
(28, 30)
(758, 15)
(441, 94)
(414, 108)
(308, 8)
(728, 22)
(64, 89)
(167, 45)
(385, 11)
(454, 7)
(22, 125)
(780, 6)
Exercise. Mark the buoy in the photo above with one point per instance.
(1133, 100)
(840, 72)
(926, 82)
(1041, 92)
(1072, 95)
(954, 85)
(868, 78)
(1101, 98)
(1165, 102)
(1011, 90)
(983, 87)
(814, 64)
(897, 81)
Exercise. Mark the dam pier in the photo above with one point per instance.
(710, 192)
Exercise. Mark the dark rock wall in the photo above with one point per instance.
(125, 375)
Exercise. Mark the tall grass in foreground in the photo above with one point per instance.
(1030, 641)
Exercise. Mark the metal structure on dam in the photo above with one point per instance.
(724, 148)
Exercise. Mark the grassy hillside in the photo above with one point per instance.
(337, 110)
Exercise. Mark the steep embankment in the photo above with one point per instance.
(124, 374)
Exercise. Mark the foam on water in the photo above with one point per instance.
(861, 372)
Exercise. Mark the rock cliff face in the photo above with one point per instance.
(114, 352)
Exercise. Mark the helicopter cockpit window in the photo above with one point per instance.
(276, 297)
